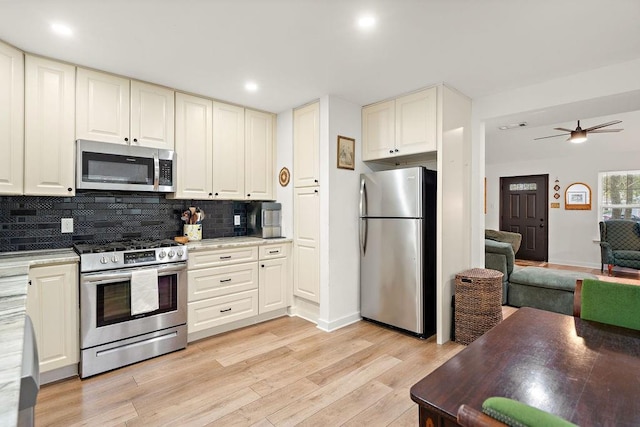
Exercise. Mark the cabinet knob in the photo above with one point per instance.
(396, 150)
(216, 194)
(69, 189)
(260, 266)
(391, 151)
(315, 180)
(248, 195)
(126, 140)
(315, 191)
(135, 139)
(30, 280)
(210, 194)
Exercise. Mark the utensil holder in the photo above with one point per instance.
(193, 231)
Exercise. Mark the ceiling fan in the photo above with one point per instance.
(580, 135)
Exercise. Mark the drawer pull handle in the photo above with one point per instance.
(226, 309)
(274, 252)
(225, 280)
(226, 257)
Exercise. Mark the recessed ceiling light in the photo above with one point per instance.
(366, 22)
(251, 86)
(61, 29)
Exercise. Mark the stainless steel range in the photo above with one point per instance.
(133, 302)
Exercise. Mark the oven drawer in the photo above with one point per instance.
(274, 251)
(214, 282)
(217, 311)
(216, 257)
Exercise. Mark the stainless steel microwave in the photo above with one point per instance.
(106, 166)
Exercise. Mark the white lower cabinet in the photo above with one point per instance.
(274, 289)
(236, 283)
(52, 304)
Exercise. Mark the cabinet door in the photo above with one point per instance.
(306, 247)
(378, 130)
(52, 304)
(49, 127)
(306, 146)
(273, 281)
(258, 154)
(416, 130)
(102, 107)
(11, 119)
(152, 115)
(193, 146)
(228, 151)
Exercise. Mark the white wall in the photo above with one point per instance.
(571, 232)
(602, 82)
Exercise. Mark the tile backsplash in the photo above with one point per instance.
(29, 223)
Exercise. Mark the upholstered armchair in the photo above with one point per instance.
(500, 248)
(620, 244)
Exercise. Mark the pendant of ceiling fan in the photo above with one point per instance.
(579, 135)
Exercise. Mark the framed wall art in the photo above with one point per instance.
(346, 152)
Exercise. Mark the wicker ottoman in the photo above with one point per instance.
(478, 303)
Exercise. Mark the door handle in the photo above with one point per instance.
(541, 225)
(363, 235)
(363, 198)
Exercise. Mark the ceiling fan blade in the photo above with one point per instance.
(615, 122)
(550, 136)
(564, 129)
(605, 130)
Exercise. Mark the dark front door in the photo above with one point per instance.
(523, 209)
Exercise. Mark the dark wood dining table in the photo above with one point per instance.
(583, 371)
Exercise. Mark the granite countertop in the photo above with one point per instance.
(14, 279)
(233, 242)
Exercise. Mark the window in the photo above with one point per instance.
(619, 195)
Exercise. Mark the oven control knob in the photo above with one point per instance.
(114, 259)
(180, 253)
(162, 254)
(104, 260)
(171, 254)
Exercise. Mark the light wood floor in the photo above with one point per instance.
(619, 274)
(282, 372)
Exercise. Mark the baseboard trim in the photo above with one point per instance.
(339, 323)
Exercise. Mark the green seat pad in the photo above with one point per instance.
(611, 303)
(517, 414)
(548, 278)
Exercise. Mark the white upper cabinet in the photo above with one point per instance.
(258, 134)
(403, 126)
(102, 107)
(152, 115)
(378, 130)
(49, 127)
(115, 109)
(194, 138)
(11, 119)
(306, 146)
(228, 152)
(416, 122)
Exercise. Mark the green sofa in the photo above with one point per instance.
(620, 244)
(500, 248)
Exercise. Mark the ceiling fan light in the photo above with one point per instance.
(578, 136)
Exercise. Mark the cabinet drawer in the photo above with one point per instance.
(274, 251)
(217, 281)
(217, 257)
(220, 310)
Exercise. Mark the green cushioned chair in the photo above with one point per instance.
(514, 413)
(608, 302)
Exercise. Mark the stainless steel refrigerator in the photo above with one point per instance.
(398, 249)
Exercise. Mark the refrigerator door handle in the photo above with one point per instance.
(363, 198)
(363, 235)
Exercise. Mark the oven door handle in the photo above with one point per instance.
(100, 277)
